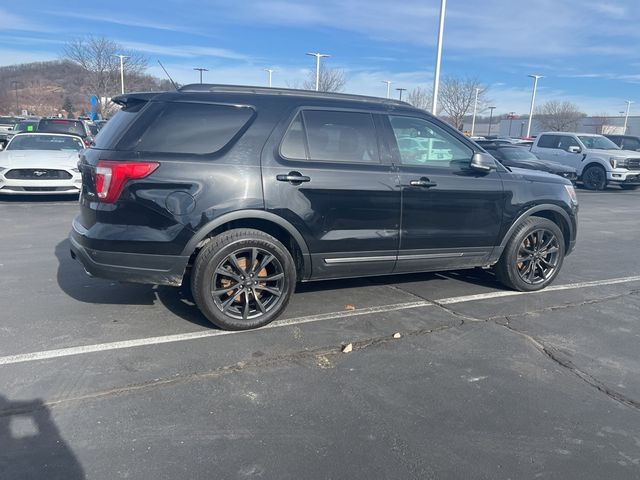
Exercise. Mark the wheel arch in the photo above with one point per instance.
(597, 162)
(261, 220)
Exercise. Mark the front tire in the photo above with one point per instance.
(594, 178)
(243, 279)
(533, 256)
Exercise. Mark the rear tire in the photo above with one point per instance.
(594, 178)
(533, 256)
(243, 279)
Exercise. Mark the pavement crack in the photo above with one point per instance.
(556, 356)
(273, 361)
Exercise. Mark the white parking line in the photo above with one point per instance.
(101, 347)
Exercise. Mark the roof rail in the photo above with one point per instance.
(206, 87)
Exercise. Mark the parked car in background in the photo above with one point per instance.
(598, 161)
(68, 126)
(244, 191)
(41, 163)
(28, 126)
(626, 142)
(6, 127)
(518, 157)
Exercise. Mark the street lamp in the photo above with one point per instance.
(201, 70)
(436, 75)
(121, 57)
(491, 109)
(388, 82)
(533, 100)
(401, 90)
(475, 109)
(318, 57)
(626, 116)
(270, 72)
(511, 116)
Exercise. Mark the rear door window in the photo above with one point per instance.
(548, 141)
(184, 128)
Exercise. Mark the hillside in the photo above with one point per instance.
(42, 88)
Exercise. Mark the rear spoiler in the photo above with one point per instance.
(132, 98)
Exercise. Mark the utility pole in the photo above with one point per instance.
(121, 57)
(626, 116)
(270, 72)
(475, 109)
(318, 57)
(201, 70)
(436, 75)
(388, 82)
(401, 90)
(491, 109)
(533, 100)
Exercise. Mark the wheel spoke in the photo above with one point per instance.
(221, 291)
(272, 291)
(547, 263)
(271, 278)
(227, 273)
(532, 272)
(225, 306)
(523, 259)
(254, 259)
(245, 312)
(236, 264)
(548, 242)
(259, 302)
(551, 250)
(266, 260)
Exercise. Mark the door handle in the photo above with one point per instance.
(293, 177)
(423, 182)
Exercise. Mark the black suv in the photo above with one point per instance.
(245, 191)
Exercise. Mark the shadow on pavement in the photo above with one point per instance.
(37, 198)
(31, 445)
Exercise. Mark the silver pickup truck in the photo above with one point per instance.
(598, 161)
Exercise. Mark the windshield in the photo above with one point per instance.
(598, 143)
(26, 127)
(45, 142)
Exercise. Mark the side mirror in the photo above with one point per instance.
(482, 162)
(574, 149)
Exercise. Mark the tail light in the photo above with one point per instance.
(111, 177)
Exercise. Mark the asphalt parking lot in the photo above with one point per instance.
(107, 380)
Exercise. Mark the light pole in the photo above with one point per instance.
(436, 75)
(626, 116)
(491, 109)
(401, 90)
(318, 57)
(270, 72)
(533, 100)
(121, 57)
(388, 82)
(200, 69)
(15, 84)
(475, 109)
(511, 116)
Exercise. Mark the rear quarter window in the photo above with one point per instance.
(184, 128)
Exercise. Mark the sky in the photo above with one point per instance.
(587, 50)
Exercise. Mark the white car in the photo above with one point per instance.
(41, 164)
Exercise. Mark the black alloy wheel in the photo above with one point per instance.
(533, 255)
(247, 283)
(594, 178)
(243, 279)
(538, 256)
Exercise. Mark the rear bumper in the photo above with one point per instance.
(129, 267)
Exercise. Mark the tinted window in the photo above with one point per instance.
(548, 141)
(424, 143)
(190, 128)
(113, 130)
(341, 136)
(516, 153)
(293, 144)
(26, 127)
(56, 125)
(598, 142)
(630, 143)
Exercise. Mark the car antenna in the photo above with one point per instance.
(165, 71)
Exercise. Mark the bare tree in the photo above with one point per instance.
(558, 116)
(97, 55)
(331, 80)
(420, 98)
(457, 96)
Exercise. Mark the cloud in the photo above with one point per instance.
(184, 51)
(12, 22)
